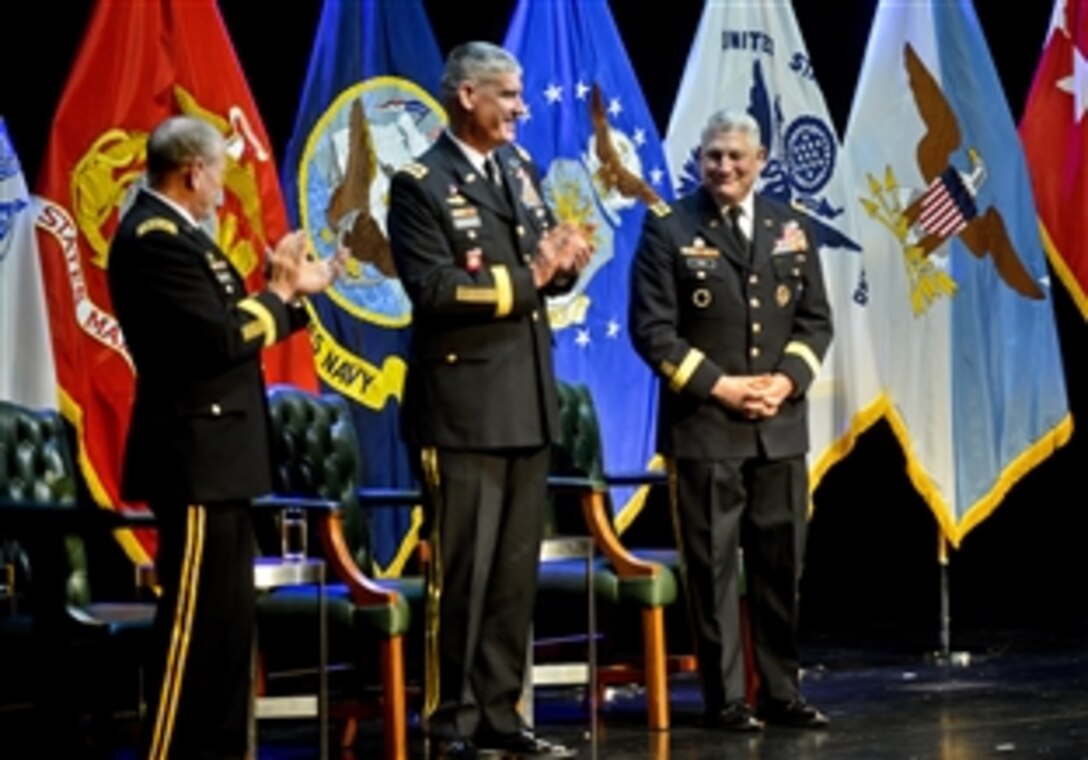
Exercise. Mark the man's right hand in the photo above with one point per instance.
(563, 251)
(741, 393)
(294, 271)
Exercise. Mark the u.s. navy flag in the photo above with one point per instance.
(365, 110)
(1055, 135)
(589, 130)
(27, 374)
(140, 63)
(963, 318)
(752, 56)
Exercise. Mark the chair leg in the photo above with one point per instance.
(657, 687)
(348, 732)
(393, 703)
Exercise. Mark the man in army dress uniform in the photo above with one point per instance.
(728, 307)
(477, 250)
(198, 444)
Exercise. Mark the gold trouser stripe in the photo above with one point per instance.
(263, 316)
(806, 354)
(504, 291)
(189, 583)
(687, 368)
(432, 614)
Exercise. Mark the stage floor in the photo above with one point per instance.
(1008, 694)
(1022, 694)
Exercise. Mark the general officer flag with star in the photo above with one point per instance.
(1055, 134)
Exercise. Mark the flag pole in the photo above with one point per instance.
(945, 632)
(944, 655)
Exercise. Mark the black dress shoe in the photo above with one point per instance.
(520, 744)
(795, 713)
(452, 749)
(735, 716)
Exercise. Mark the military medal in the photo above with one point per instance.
(782, 295)
(474, 260)
(529, 196)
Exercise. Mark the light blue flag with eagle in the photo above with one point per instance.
(589, 130)
(751, 56)
(367, 107)
(962, 313)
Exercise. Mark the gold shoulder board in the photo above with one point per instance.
(156, 223)
(661, 209)
(416, 169)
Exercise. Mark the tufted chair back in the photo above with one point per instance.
(579, 452)
(34, 461)
(317, 455)
(35, 467)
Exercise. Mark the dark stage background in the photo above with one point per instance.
(872, 575)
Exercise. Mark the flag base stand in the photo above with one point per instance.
(945, 656)
(950, 659)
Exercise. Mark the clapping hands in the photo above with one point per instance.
(294, 270)
(563, 252)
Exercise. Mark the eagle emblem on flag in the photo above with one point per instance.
(922, 221)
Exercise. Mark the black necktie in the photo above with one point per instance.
(738, 234)
(492, 171)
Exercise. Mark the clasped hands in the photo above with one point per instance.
(294, 271)
(563, 251)
(756, 397)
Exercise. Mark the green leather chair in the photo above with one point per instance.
(71, 638)
(317, 456)
(580, 505)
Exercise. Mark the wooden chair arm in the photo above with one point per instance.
(363, 590)
(599, 522)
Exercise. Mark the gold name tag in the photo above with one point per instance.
(700, 250)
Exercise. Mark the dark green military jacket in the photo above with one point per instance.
(199, 426)
(480, 372)
(701, 307)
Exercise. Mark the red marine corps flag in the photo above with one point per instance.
(139, 63)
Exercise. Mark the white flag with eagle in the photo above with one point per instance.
(751, 55)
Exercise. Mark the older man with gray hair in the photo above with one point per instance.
(728, 307)
(198, 447)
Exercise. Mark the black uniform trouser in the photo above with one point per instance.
(200, 679)
(487, 522)
(759, 504)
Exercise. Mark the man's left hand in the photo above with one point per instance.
(772, 389)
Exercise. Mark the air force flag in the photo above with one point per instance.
(589, 130)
